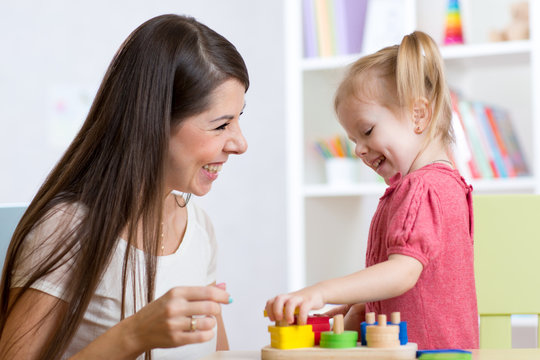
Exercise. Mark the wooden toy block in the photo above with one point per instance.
(395, 319)
(370, 320)
(382, 335)
(319, 323)
(291, 337)
(338, 338)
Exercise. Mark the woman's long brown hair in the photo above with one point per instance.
(164, 72)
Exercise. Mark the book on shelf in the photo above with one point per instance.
(311, 47)
(333, 27)
(486, 143)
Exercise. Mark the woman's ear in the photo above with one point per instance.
(421, 114)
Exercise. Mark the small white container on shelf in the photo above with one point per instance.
(341, 170)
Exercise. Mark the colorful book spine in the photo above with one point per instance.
(473, 133)
(486, 144)
(323, 28)
(461, 154)
(350, 21)
(463, 144)
(500, 142)
(342, 36)
(332, 21)
(511, 141)
(311, 48)
(333, 27)
(494, 152)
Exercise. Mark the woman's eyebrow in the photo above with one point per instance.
(227, 117)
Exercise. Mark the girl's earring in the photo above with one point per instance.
(417, 130)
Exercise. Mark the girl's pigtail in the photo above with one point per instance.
(420, 73)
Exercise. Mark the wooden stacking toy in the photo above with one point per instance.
(297, 342)
(382, 335)
(338, 338)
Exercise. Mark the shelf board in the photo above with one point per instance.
(452, 52)
(325, 190)
(492, 49)
(521, 185)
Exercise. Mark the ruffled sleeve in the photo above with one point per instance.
(416, 226)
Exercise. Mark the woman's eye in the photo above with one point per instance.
(222, 127)
(367, 133)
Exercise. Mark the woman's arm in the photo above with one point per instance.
(385, 280)
(30, 324)
(164, 323)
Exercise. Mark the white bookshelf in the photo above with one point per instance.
(328, 225)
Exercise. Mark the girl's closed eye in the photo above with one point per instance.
(368, 131)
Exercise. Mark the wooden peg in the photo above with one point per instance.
(395, 318)
(381, 320)
(338, 326)
(370, 318)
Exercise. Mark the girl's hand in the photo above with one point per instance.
(283, 307)
(184, 315)
(355, 315)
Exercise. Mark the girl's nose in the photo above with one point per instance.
(360, 149)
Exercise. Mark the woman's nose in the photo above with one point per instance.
(237, 144)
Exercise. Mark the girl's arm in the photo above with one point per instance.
(385, 280)
(163, 323)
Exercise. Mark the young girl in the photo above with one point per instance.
(395, 106)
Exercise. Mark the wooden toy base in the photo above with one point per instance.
(404, 352)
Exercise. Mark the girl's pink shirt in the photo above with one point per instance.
(428, 215)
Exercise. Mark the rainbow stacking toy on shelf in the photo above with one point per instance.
(453, 33)
(380, 339)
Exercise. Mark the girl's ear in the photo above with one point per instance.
(421, 114)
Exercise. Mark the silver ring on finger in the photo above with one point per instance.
(193, 325)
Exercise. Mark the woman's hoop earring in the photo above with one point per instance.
(186, 199)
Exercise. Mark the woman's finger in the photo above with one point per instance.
(198, 293)
(198, 323)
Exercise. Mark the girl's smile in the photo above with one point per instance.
(385, 140)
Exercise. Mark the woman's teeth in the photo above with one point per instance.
(213, 168)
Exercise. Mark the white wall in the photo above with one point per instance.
(61, 48)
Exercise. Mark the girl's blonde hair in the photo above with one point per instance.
(405, 73)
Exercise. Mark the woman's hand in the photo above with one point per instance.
(283, 307)
(184, 315)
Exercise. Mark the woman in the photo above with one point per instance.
(110, 260)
